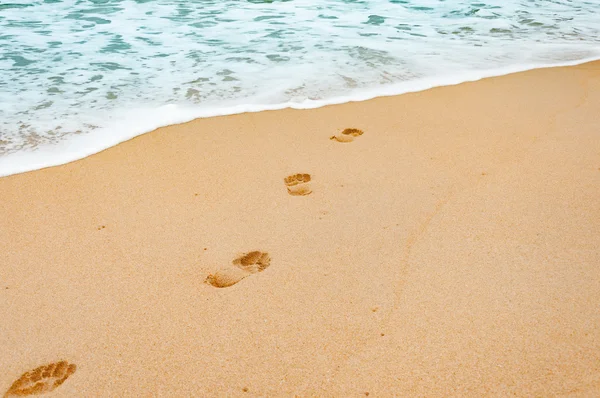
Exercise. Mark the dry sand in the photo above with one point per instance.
(450, 250)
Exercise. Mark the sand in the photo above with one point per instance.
(450, 250)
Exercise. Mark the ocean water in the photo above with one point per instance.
(78, 76)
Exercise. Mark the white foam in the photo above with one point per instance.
(78, 78)
(139, 121)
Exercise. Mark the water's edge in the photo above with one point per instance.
(81, 146)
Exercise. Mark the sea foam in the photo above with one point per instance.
(79, 78)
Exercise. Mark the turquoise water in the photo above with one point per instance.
(79, 76)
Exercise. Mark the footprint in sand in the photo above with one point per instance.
(298, 184)
(348, 135)
(41, 380)
(246, 265)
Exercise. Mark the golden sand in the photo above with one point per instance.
(452, 249)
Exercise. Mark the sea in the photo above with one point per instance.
(79, 76)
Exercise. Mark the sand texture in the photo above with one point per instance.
(450, 250)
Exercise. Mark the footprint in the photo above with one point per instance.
(298, 184)
(253, 262)
(246, 265)
(226, 277)
(348, 135)
(41, 380)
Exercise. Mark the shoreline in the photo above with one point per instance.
(79, 147)
(450, 250)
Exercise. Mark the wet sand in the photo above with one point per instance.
(450, 250)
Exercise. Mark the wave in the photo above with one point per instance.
(130, 123)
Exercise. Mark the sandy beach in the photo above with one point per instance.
(453, 249)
